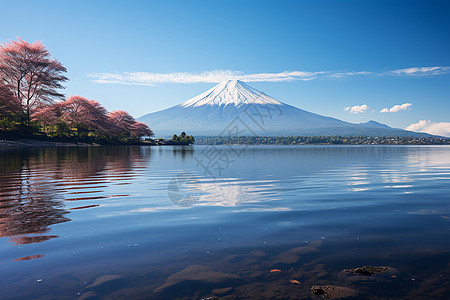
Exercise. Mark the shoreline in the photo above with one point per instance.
(20, 144)
(30, 143)
(34, 143)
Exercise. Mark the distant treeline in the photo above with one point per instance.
(182, 139)
(321, 140)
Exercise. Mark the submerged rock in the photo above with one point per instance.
(258, 253)
(198, 274)
(223, 291)
(333, 291)
(293, 255)
(104, 279)
(89, 296)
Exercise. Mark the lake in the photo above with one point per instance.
(225, 222)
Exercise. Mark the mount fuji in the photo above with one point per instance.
(232, 108)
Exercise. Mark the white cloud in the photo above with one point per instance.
(436, 128)
(421, 71)
(356, 109)
(216, 76)
(396, 108)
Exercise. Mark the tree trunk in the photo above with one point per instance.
(28, 112)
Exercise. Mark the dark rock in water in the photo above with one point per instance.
(377, 273)
(104, 279)
(317, 290)
(333, 291)
(197, 274)
(368, 270)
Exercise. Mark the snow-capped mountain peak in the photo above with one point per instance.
(230, 92)
(233, 108)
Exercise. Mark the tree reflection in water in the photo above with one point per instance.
(34, 185)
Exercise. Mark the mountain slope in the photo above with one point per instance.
(234, 108)
(375, 124)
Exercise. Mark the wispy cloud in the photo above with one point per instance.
(356, 109)
(216, 76)
(396, 108)
(348, 74)
(436, 128)
(421, 71)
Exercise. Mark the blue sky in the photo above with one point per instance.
(321, 56)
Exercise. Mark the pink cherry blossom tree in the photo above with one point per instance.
(124, 123)
(84, 114)
(141, 129)
(47, 115)
(31, 74)
(9, 104)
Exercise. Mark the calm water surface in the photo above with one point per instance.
(203, 221)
